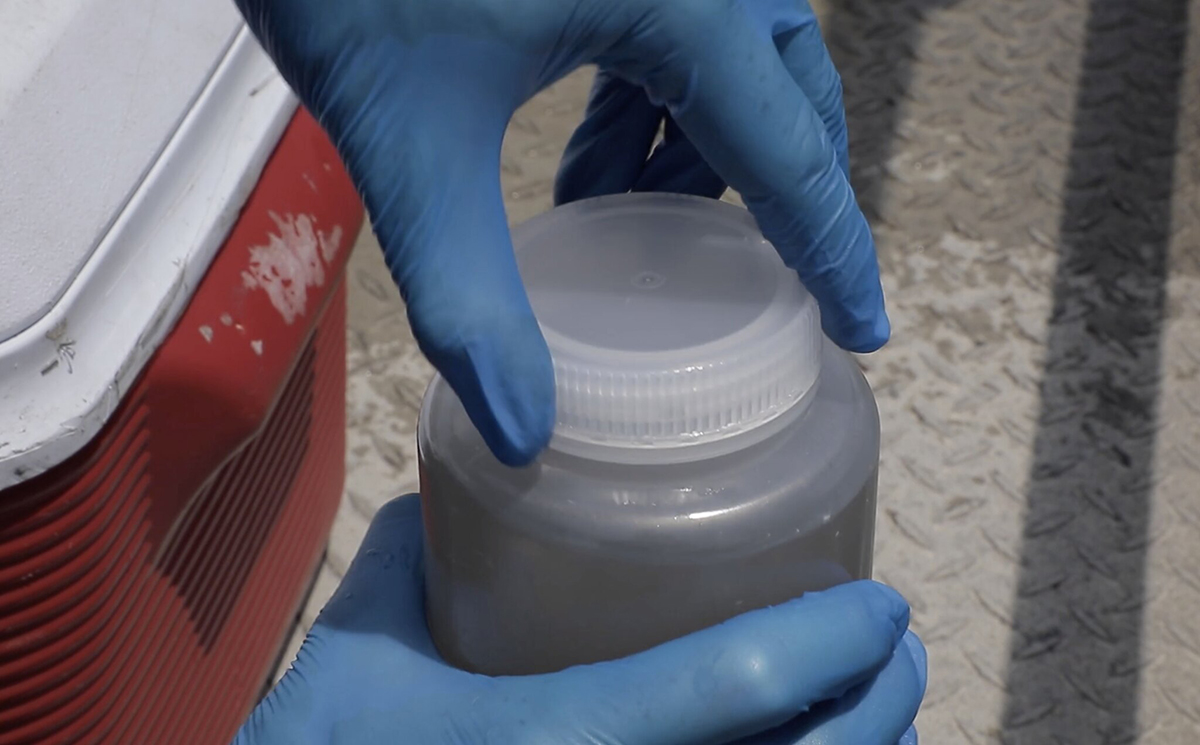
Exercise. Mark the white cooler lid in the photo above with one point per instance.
(130, 134)
(90, 90)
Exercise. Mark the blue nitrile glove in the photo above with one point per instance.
(416, 95)
(368, 673)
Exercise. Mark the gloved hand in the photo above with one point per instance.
(831, 668)
(416, 95)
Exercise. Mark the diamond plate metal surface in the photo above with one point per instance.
(1032, 171)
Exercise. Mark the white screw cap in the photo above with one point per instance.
(676, 331)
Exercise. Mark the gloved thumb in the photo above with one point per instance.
(427, 159)
(752, 673)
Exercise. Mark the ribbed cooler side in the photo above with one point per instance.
(148, 584)
(101, 640)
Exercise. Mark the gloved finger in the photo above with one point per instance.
(797, 36)
(382, 592)
(881, 710)
(607, 152)
(676, 166)
(760, 133)
(807, 58)
(747, 675)
(878, 712)
(430, 176)
(910, 737)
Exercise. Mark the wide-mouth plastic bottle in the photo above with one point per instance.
(713, 452)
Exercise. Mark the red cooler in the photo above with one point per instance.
(172, 368)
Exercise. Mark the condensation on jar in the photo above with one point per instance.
(713, 452)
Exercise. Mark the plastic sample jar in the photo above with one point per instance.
(713, 453)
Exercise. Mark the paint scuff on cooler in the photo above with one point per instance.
(291, 262)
